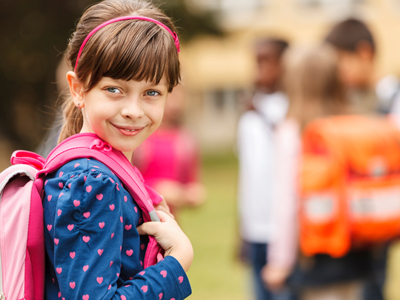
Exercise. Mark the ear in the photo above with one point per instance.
(76, 88)
(365, 50)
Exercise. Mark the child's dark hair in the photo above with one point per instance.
(347, 35)
(128, 50)
(280, 45)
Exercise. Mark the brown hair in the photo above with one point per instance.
(348, 34)
(129, 50)
(312, 84)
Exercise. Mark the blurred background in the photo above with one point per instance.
(218, 65)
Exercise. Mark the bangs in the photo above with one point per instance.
(131, 50)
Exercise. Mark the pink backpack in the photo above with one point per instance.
(22, 250)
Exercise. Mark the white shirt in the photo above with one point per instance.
(388, 93)
(256, 150)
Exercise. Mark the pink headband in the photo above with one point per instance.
(174, 35)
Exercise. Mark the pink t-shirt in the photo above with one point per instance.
(168, 154)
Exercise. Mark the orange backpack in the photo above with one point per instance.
(349, 184)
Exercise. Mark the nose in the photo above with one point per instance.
(132, 108)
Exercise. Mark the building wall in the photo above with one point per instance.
(219, 71)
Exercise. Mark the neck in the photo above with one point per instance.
(128, 155)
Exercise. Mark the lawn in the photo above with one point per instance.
(216, 274)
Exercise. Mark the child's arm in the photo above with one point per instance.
(171, 238)
(91, 252)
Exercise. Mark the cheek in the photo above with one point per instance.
(155, 112)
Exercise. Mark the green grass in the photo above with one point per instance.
(212, 228)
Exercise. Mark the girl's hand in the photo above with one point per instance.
(171, 238)
(275, 278)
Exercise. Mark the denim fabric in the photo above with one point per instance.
(256, 255)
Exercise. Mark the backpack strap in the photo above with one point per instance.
(89, 145)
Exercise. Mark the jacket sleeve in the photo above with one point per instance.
(87, 247)
(283, 247)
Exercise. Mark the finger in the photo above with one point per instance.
(148, 228)
(164, 217)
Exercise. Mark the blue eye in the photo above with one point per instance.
(113, 90)
(152, 93)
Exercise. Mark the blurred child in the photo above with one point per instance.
(314, 90)
(368, 93)
(169, 159)
(256, 161)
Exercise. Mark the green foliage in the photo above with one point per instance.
(189, 23)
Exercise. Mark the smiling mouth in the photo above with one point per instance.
(128, 131)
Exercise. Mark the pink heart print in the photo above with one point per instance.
(70, 227)
(123, 297)
(101, 225)
(59, 212)
(49, 227)
(85, 297)
(60, 184)
(86, 214)
(72, 285)
(163, 273)
(142, 273)
(77, 165)
(129, 252)
(88, 188)
(60, 195)
(100, 251)
(61, 174)
(180, 278)
(99, 197)
(72, 254)
(144, 288)
(86, 239)
(125, 198)
(49, 197)
(76, 203)
(112, 207)
(59, 270)
(160, 296)
(56, 241)
(99, 279)
(85, 268)
(128, 227)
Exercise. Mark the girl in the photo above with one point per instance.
(314, 91)
(124, 69)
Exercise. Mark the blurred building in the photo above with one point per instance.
(219, 71)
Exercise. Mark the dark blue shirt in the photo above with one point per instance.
(93, 250)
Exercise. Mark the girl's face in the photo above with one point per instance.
(123, 113)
